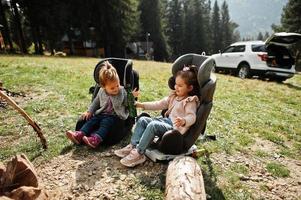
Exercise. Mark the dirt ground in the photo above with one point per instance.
(83, 174)
(98, 175)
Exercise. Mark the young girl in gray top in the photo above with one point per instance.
(109, 104)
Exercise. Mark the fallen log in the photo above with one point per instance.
(26, 116)
(184, 180)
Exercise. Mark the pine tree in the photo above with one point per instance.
(175, 26)
(123, 24)
(6, 29)
(115, 23)
(52, 23)
(291, 16)
(226, 35)
(216, 29)
(259, 36)
(266, 35)
(18, 26)
(199, 32)
(194, 26)
(34, 12)
(188, 27)
(236, 36)
(291, 22)
(151, 22)
(207, 27)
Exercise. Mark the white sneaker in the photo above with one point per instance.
(133, 159)
(124, 151)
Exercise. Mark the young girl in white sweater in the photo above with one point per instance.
(181, 107)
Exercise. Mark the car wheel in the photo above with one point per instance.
(244, 71)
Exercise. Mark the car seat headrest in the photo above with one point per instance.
(205, 71)
(172, 82)
(203, 63)
(208, 90)
(122, 66)
(180, 62)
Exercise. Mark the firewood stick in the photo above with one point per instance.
(27, 117)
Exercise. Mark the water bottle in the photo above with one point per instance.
(131, 102)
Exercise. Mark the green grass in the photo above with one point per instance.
(244, 111)
(234, 189)
(273, 137)
(277, 169)
(239, 168)
(261, 153)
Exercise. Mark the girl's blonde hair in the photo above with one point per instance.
(107, 73)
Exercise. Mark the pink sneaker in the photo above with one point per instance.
(75, 136)
(133, 159)
(124, 151)
(92, 141)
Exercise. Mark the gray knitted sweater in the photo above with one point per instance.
(119, 103)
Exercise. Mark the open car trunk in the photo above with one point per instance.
(280, 57)
(277, 46)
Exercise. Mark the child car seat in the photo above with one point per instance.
(128, 78)
(173, 142)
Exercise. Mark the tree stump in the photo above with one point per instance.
(184, 180)
(19, 181)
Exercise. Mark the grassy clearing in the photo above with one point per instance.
(244, 111)
(277, 169)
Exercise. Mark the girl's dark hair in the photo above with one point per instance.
(189, 75)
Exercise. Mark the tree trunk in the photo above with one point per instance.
(184, 180)
(19, 180)
(6, 34)
(106, 39)
(70, 41)
(34, 25)
(51, 46)
(17, 20)
(38, 31)
(34, 38)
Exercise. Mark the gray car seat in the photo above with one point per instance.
(128, 78)
(173, 142)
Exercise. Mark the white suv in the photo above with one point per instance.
(270, 59)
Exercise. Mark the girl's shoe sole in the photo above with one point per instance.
(71, 137)
(86, 141)
(133, 164)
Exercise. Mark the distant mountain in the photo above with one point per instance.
(254, 16)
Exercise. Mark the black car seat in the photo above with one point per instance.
(128, 78)
(173, 142)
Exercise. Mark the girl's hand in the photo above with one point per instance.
(179, 121)
(139, 105)
(135, 93)
(87, 115)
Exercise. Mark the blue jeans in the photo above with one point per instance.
(146, 129)
(99, 124)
